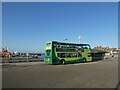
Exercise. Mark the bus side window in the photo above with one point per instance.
(68, 55)
(62, 55)
(74, 54)
(82, 49)
(86, 48)
(58, 45)
(55, 45)
(79, 54)
(59, 55)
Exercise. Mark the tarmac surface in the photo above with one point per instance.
(99, 74)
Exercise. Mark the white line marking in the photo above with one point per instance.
(78, 64)
(84, 63)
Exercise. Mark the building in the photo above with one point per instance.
(110, 52)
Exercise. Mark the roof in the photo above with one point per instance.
(68, 43)
(99, 51)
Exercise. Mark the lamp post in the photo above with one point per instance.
(79, 37)
(65, 39)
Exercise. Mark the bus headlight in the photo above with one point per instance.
(48, 59)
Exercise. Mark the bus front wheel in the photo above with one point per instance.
(62, 61)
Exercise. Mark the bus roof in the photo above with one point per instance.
(67, 43)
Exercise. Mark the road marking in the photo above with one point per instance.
(78, 64)
(85, 63)
(91, 63)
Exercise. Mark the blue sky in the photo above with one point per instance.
(28, 26)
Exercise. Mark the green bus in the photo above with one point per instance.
(65, 52)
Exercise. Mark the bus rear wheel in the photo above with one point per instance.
(84, 60)
(62, 61)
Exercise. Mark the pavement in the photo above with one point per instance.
(99, 74)
(20, 59)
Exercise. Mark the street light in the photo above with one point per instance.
(79, 37)
(65, 39)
